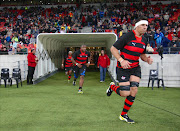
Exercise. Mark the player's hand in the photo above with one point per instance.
(107, 66)
(62, 66)
(36, 59)
(125, 64)
(149, 60)
(79, 65)
(98, 67)
(87, 64)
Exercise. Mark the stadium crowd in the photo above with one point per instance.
(20, 27)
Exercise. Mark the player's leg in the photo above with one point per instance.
(81, 81)
(101, 73)
(66, 71)
(69, 74)
(32, 69)
(104, 73)
(134, 84)
(76, 73)
(28, 75)
(123, 89)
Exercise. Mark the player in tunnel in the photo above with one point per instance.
(67, 65)
(81, 60)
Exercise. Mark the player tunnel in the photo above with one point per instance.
(51, 47)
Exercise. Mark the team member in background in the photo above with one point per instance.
(67, 63)
(81, 60)
(32, 61)
(132, 46)
(103, 64)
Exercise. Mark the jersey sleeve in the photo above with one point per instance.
(145, 41)
(121, 42)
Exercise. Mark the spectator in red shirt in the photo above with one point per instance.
(32, 61)
(170, 35)
(103, 64)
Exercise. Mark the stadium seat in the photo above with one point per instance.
(16, 74)
(5, 76)
(153, 75)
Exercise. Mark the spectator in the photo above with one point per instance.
(151, 38)
(15, 38)
(32, 40)
(32, 61)
(12, 51)
(4, 51)
(14, 44)
(166, 16)
(8, 38)
(6, 44)
(174, 49)
(62, 30)
(158, 37)
(165, 42)
(170, 35)
(103, 64)
(18, 51)
(24, 49)
(21, 39)
(174, 42)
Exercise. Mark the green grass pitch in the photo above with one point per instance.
(55, 105)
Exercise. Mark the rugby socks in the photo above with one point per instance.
(69, 77)
(115, 88)
(74, 79)
(127, 104)
(80, 88)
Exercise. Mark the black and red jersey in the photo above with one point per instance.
(131, 47)
(81, 57)
(68, 62)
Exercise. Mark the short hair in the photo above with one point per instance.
(70, 51)
(83, 45)
(32, 50)
(141, 18)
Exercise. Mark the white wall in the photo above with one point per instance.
(170, 66)
(171, 69)
(14, 61)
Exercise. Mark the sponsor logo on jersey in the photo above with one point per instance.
(123, 77)
(134, 44)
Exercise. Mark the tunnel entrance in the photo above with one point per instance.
(51, 48)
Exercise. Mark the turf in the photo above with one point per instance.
(55, 105)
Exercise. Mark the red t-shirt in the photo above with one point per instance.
(31, 60)
(103, 61)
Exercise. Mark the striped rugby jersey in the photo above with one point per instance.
(131, 47)
(67, 61)
(81, 57)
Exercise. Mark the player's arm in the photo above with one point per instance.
(119, 45)
(146, 58)
(74, 62)
(116, 54)
(88, 61)
(62, 66)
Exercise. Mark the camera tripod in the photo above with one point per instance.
(162, 81)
